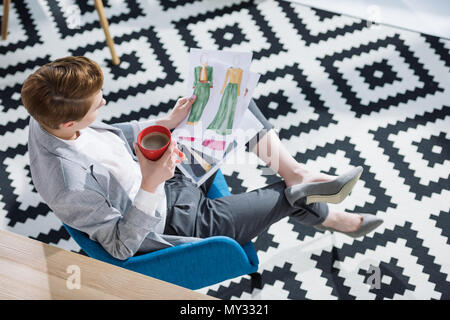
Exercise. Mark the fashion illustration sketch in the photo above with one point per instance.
(223, 121)
(203, 76)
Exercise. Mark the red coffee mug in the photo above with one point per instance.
(155, 154)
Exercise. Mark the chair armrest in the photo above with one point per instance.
(216, 259)
(249, 249)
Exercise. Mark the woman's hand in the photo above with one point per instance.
(179, 112)
(156, 172)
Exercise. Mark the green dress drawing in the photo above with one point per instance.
(202, 85)
(223, 121)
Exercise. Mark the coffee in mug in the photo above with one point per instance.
(154, 140)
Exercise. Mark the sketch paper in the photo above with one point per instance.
(215, 126)
(220, 81)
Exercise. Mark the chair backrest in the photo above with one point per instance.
(92, 248)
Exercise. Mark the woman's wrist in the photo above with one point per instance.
(166, 122)
(148, 187)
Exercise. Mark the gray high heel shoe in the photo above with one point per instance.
(333, 191)
(370, 223)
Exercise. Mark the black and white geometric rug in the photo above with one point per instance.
(342, 92)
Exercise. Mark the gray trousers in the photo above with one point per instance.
(239, 216)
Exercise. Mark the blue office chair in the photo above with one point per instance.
(190, 265)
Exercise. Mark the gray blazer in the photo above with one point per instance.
(84, 195)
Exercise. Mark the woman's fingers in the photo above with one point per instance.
(182, 100)
(167, 154)
(169, 151)
(191, 99)
(138, 151)
(185, 100)
(180, 156)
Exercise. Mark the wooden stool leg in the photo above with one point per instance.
(6, 4)
(105, 26)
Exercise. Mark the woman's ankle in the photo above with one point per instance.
(301, 175)
(343, 221)
(331, 219)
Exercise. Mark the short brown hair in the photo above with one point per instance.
(62, 90)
